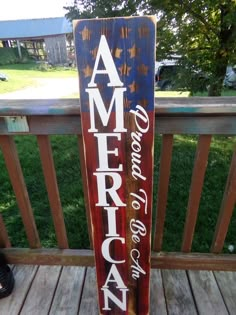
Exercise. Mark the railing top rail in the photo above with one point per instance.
(164, 106)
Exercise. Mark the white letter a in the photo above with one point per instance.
(110, 69)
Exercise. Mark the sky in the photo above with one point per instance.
(30, 9)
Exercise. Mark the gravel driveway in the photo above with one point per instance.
(46, 88)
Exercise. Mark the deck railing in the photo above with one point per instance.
(204, 117)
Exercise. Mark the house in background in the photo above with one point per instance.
(45, 39)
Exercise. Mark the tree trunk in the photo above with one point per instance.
(214, 90)
(222, 53)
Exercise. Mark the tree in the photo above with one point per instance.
(102, 8)
(202, 32)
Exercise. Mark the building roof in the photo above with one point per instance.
(22, 29)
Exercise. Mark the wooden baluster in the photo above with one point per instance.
(17, 179)
(226, 210)
(52, 189)
(163, 185)
(4, 240)
(200, 165)
(85, 187)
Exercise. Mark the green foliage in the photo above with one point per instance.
(11, 56)
(7, 56)
(203, 33)
(102, 8)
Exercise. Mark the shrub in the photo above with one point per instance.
(10, 55)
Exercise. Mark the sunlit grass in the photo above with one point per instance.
(172, 93)
(24, 75)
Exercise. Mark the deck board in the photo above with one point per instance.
(24, 276)
(178, 294)
(227, 285)
(207, 295)
(40, 296)
(69, 291)
(157, 295)
(72, 290)
(89, 304)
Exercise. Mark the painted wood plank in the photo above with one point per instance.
(50, 256)
(177, 292)
(200, 165)
(226, 210)
(193, 261)
(4, 239)
(227, 284)
(163, 187)
(197, 125)
(165, 124)
(40, 296)
(24, 276)
(157, 296)
(206, 292)
(115, 59)
(69, 291)
(89, 302)
(79, 257)
(173, 105)
(48, 125)
(50, 178)
(17, 180)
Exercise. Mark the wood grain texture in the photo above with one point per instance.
(69, 291)
(163, 187)
(169, 120)
(24, 276)
(157, 297)
(200, 165)
(202, 125)
(193, 261)
(50, 256)
(178, 294)
(73, 257)
(46, 125)
(171, 105)
(227, 284)
(40, 296)
(207, 294)
(213, 293)
(226, 210)
(4, 239)
(17, 180)
(53, 191)
(89, 302)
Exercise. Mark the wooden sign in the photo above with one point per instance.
(115, 59)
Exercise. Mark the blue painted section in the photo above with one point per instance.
(142, 43)
(18, 29)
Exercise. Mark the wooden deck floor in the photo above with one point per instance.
(59, 290)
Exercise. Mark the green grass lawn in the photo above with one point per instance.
(23, 75)
(66, 158)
